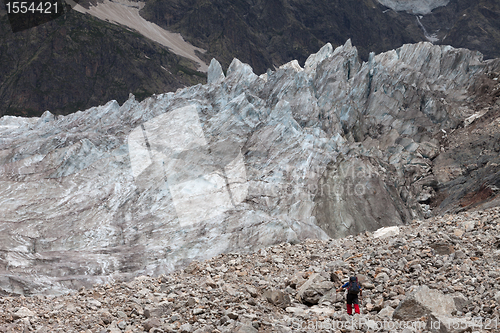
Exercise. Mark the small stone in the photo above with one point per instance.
(497, 297)
(209, 282)
(469, 225)
(231, 290)
(278, 260)
(252, 291)
(378, 304)
(198, 311)
(186, 328)
(121, 314)
(156, 311)
(346, 255)
(368, 285)
(232, 315)
(278, 298)
(386, 312)
(423, 302)
(386, 232)
(371, 324)
(23, 313)
(191, 301)
(460, 254)
(247, 329)
(369, 307)
(94, 302)
(223, 320)
(382, 277)
(443, 248)
(151, 323)
(122, 324)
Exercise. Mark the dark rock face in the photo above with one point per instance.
(266, 34)
(76, 62)
(359, 194)
(467, 24)
(468, 170)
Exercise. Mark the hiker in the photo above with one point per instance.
(353, 290)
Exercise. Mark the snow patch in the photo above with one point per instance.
(126, 13)
(430, 37)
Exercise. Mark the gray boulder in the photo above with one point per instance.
(440, 324)
(497, 297)
(278, 298)
(240, 163)
(423, 302)
(460, 301)
(156, 310)
(386, 312)
(314, 289)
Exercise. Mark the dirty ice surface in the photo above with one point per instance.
(417, 7)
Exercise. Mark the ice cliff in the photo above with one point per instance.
(245, 161)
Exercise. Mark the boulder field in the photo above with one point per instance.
(437, 275)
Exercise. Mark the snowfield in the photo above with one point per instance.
(126, 13)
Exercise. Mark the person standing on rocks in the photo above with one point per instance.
(353, 291)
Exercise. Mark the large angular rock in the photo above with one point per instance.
(386, 232)
(314, 289)
(22, 313)
(423, 302)
(497, 297)
(278, 298)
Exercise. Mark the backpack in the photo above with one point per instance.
(354, 287)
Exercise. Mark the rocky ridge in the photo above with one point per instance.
(443, 269)
(335, 148)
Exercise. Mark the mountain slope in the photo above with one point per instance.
(78, 61)
(44, 74)
(266, 34)
(476, 26)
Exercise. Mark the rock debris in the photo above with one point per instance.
(443, 270)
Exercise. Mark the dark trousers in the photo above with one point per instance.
(352, 299)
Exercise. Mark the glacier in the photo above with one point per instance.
(334, 148)
(416, 7)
